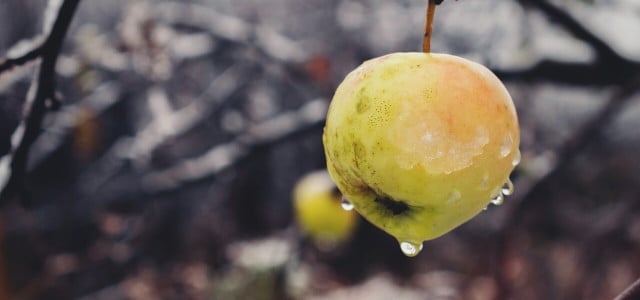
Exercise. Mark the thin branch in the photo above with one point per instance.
(583, 137)
(8, 63)
(224, 156)
(139, 148)
(177, 122)
(574, 27)
(631, 292)
(609, 68)
(600, 73)
(268, 40)
(531, 193)
(36, 107)
(102, 98)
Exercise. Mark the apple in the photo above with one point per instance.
(319, 210)
(420, 143)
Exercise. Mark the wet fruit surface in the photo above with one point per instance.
(420, 143)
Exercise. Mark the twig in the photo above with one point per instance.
(608, 68)
(139, 148)
(268, 40)
(598, 73)
(283, 127)
(603, 50)
(221, 157)
(103, 97)
(14, 164)
(529, 194)
(589, 132)
(631, 292)
(9, 63)
(178, 122)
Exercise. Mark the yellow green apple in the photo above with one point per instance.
(420, 143)
(319, 212)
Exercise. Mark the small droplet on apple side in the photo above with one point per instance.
(505, 148)
(498, 200)
(508, 188)
(346, 205)
(516, 158)
(410, 249)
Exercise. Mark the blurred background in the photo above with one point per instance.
(169, 170)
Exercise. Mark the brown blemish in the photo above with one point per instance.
(363, 104)
(395, 207)
(358, 152)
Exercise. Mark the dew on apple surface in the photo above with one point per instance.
(516, 158)
(410, 249)
(507, 144)
(498, 200)
(508, 188)
(346, 205)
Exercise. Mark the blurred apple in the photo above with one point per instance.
(319, 212)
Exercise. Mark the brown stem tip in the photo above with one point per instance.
(431, 9)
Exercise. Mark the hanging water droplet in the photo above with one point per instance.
(516, 158)
(454, 196)
(505, 148)
(410, 249)
(498, 200)
(508, 188)
(346, 205)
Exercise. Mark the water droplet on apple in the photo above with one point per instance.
(505, 148)
(516, 158)
(498, 200)
(410, 249)
(508, 188)
(346, 205)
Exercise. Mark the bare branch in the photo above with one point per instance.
(177, 122)
(564, 19)
(599, 73)
(530, 193)
(9, 63)
(609, 68)
(103, 97)
(631, 292)
(13, 166)
(571, 148)
(226, 155)
(276, 45)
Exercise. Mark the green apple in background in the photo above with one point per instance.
(319, 211)
(420, 143)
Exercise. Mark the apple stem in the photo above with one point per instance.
(431, 10)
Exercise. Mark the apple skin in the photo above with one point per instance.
(319, 213)
(420, 142)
